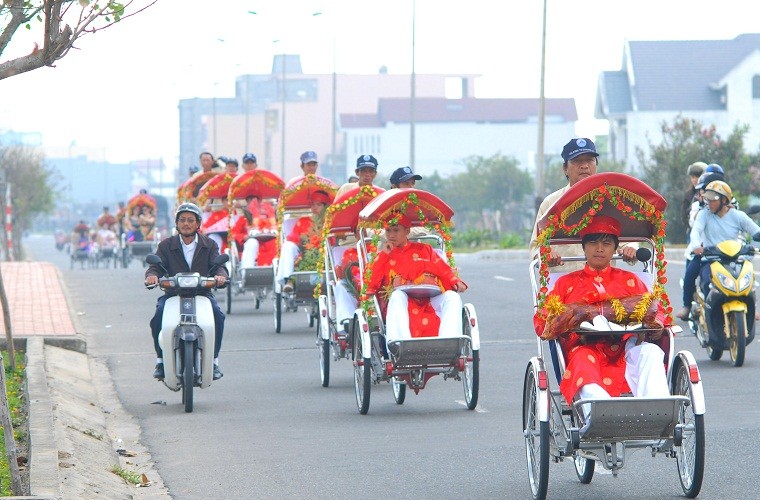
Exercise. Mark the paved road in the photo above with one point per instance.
(268, 428)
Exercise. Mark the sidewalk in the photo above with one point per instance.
(76, 422)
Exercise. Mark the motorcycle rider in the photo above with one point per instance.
(720, 222)
(188, 251)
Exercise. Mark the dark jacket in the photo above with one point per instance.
(173, 258)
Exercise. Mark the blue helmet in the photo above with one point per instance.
(714, 168)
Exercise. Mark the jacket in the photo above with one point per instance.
(173, 258)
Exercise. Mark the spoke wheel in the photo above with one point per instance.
(324, 356)
(277, 312)
(471, 373)
(737, 342)
(362, 376)
(187, 376)
(690, 456)
(536, 438)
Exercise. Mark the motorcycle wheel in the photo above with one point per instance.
(737, 342)
(187, 376)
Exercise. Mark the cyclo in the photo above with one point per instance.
(601, 430)
(212, 199)
(411, 362)
(338, 297)
(139, 237)
(252, 243)
(294, 204)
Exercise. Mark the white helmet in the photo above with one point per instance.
(188, 207)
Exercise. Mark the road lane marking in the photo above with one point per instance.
(503, 278)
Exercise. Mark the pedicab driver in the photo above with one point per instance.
(605, 365)
(408, 262)
(188, 251)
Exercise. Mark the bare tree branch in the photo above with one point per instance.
(58, 36)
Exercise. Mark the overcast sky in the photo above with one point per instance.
(120, 89)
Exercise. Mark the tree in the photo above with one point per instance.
(32, 182)
(60, 24)
(683, 143)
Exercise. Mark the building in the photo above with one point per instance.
(305, 107)
(716, 82)
(449, 130)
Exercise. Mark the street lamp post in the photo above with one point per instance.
(413, 92)
(284, 96)
(334, 126)
(541, 114)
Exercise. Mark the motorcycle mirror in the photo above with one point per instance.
(221, 259)
(155, 260)
(152, 259)
(754, 209)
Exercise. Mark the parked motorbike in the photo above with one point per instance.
(187, 330)
(725, 318)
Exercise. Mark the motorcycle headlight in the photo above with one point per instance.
(745, 282)
(727, 282)
(188, 281)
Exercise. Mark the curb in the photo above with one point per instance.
(44, 481)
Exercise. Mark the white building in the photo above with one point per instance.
(716, 82)
(449, 130)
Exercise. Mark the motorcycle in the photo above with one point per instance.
(725, 318)
(187, 330)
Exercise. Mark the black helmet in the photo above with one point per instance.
(706, 179)
(188, 207)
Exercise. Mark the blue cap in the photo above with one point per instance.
(577, 147)
(249, 157)
(403, 174)
(366, 161)
(309, 156)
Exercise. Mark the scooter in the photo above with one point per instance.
(725, 318)
(187, 330)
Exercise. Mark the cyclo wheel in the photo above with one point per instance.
(471, 373)
(277, 312)
(536, 438)
(584, 468)
(737, 342)
(399, 391)
(324, 355)
(362, 374)
(187, 376)
(690, 456)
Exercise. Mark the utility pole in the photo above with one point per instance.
(541, 115)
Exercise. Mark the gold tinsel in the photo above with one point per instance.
(620, 312)
(554, 306)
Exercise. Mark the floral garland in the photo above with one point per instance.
(332, 210)
(140, 200)
(210, 189)
(309, 180)
(266, 181)
(615, 196)
(441, 226)
(186, 192)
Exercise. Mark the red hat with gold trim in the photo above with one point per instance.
(601, 224)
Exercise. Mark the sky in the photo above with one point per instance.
(118, 90)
